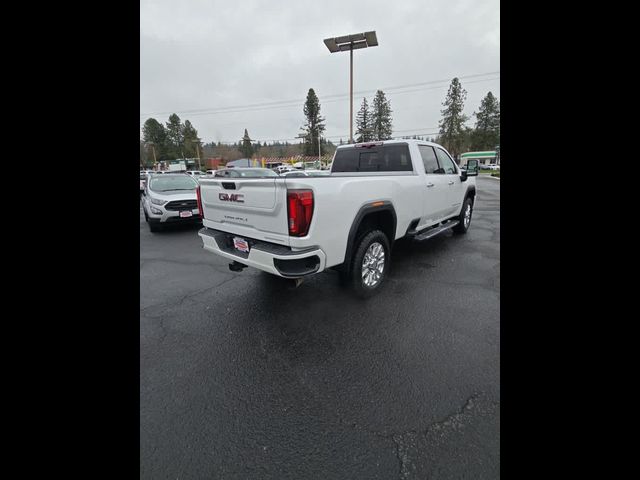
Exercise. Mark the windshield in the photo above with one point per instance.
(170, 182)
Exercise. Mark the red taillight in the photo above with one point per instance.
(200, 211)
(300, 210)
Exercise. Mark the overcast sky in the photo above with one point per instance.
(216, 63)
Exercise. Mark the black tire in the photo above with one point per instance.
(154, 227)
(359, 285)
(146, 217)
(463, 226)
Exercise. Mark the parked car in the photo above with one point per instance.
(170, 198)
(245, 172)
(294, 173)
(280, 169)
(143, 181)
(376, 193)
(492, 166)
(194, 173)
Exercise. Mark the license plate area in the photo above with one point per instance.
(241, 244)
(186, 214)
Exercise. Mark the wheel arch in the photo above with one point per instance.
(380, 214)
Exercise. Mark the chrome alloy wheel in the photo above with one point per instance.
(373, 265)
(467, 216)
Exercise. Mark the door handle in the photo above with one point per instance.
(429, 185)
(451, 183)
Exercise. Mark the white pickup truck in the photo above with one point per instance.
(375, 194)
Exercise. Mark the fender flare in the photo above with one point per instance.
(470, 189)
(357, 221)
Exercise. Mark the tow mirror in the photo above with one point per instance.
(472, 168)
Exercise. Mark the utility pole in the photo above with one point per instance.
(153, 149)
(198, 152)
(351, 95)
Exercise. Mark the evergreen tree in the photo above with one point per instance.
(153, 132)
(381, 117)
(245, 147)
(314, 126)
(363, 122)
(175, 137)
(487, 128)
(190, 139)
(452, 122)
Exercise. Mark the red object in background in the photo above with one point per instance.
(213, 163)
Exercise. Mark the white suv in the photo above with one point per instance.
(170, 198)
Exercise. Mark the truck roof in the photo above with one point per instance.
(390, 142)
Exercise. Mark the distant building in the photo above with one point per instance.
(213, 163)
(484, 158)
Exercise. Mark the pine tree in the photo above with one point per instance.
(381, 117)
(175, 137)
(245, 146)
(155, 135)
(487, 128)
(452, 122)
(363, 122)
(314, 126)
(190, 139)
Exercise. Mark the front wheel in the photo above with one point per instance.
(154, 227)
(465, 216)
(370, 263)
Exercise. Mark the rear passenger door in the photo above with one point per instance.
(435, 193)
(454, 186)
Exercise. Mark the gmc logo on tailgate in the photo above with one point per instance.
(234, 197)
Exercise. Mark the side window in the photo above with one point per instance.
(445, 161)
(428, 158)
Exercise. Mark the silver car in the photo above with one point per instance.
(170, 198)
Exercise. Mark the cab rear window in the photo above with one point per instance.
(385, 158)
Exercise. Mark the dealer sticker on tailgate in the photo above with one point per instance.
(241, 244)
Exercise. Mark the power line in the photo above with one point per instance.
(391, 94)
(228, 109)
(346, 135)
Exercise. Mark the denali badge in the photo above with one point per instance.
(234, 197)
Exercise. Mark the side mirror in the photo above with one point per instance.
(463, 175)
(472, 168)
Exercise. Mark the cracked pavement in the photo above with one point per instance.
(244, 376)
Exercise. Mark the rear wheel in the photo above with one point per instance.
(370, 263)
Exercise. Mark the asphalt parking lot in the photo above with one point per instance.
(244, 376)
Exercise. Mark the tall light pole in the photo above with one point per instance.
(198, 152)
(351, 42)
(153, 148)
